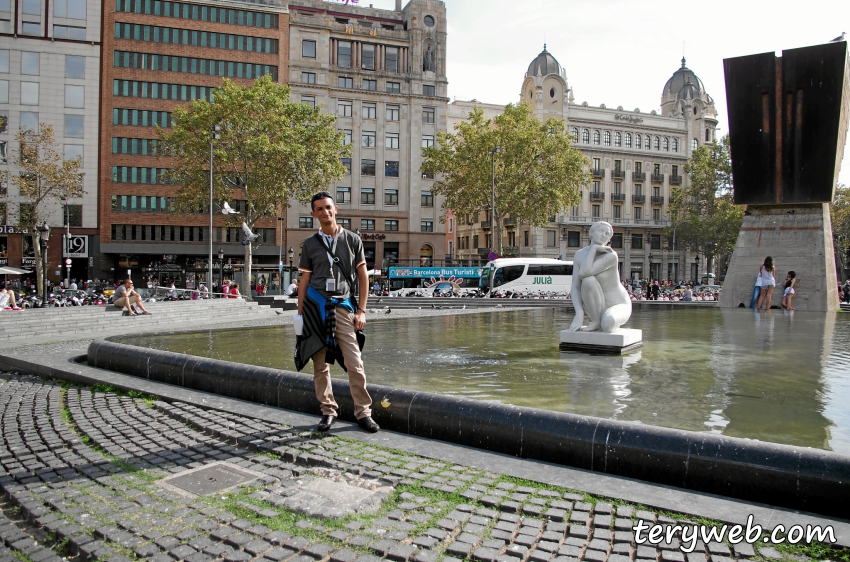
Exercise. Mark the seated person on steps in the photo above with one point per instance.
(126, 297)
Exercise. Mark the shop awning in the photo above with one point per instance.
(6, 270)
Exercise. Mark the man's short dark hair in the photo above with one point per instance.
(320, 195)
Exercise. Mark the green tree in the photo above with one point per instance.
(271, 150)
(839, 212)
(538, 174)
(43, 176)
(703, 212)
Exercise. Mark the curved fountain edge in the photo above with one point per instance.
(796, 477)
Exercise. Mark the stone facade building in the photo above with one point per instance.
(50, 73)
(383, 73)
(637, 162)
(158, 55)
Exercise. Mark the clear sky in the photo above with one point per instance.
(620, 52)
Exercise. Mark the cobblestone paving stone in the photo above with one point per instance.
(80, 468)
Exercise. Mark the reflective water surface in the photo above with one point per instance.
(769, 376)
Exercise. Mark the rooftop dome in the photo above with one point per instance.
(545, 64)
(684, 83)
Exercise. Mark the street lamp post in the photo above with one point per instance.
(213, 137)
(44, 230)
(66, 241)
(493, 154)
(291, 255)
(221, 270)
(280, 257)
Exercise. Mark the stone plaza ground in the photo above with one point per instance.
(89, 473)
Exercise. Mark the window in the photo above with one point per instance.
(618, 187)
(29, 120)
(29, 93)
(308, 49)
(667, 144)
(391, 140)
(308, 77)
(637, 241)
(707, 135)
(367, 196)
(62, 32)
(596, 137)
(574, 134)
(370, 110)
(343, 195)
(429, 21)
(367, 224)
(597, 164)
(585, 136)
(345, 82)
(475, 242)
(696, 144)
(370, 85)
(73, 214)
(32, 7)
(638, 167)
(655, 242)
(4, 60)
(656, 216)
(344, 223)
(617, 240)
(33, 29)
(346, 163)
(657, 143)
(343, 108)
(675, 145)
(428, 114)
(4, 93)
(368, 139)
(390, 197)
(618, 211)
(391, 169)
(628, 140)
(675, 170)
(638, 189)
(573, 239)
(305, 222)
(427, 226)
(343, 57)
(551, 238)
(596, 185)
(646, 141)
(427, 141)
(75, 9)
(637, 141)
(30, 63)
(309, 100)
(392, 113)
(4, 121)
(75, 96)
(638, 213)
(3, 153)
(367, 167)
(595, 211)
(391, 59)
(347, 140)
(618, 139)
(367, 57)
(75, 67)
(394, 87)
(427, 199)
(427, 175)
(391, 225)
(428, 90)
(607, 138)
(618, 166)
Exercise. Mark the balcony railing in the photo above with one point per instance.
(485, 225)
(658, 177)
(509, 222)
(677, 180)
(618, 174)
(510, 251)
(597, 173)
(657, 200)
(638, 198)
(618, 197)
(639, 176)
(597, 196)
(570, 219)
(664, 222)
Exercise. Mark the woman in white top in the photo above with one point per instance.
(768, 282)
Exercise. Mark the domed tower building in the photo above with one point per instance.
(637, 161)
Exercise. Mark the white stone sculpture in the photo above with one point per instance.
(598, 292)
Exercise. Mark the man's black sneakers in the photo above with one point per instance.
(326, 423)
(368, 424)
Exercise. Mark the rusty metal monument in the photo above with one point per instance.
(788, 120)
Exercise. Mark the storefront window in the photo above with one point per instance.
(426, 255)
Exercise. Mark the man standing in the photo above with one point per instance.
(330, 262)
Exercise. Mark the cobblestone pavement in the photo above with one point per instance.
(81, 470)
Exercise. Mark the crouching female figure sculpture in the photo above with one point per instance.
(596, 289)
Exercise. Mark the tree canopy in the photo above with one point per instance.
(703, 212)
(538, 174)
(840, 214)
(44, 176)
(271, 150)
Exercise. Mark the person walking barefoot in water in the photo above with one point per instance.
(768, 281)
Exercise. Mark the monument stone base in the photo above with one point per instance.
(799, 239)
(621, 341)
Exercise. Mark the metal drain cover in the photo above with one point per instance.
(210, 479)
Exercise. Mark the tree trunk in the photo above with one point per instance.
(246, 273)
(39, 261)
(497, 232)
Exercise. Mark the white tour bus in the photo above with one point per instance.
(527, 275)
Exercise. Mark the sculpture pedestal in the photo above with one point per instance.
(621, 341)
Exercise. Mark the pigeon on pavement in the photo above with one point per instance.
(388, 310)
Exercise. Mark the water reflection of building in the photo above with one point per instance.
(637, 164)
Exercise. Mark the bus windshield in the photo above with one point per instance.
(484, 280)
(507, 274)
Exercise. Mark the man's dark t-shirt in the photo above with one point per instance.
(316, 261)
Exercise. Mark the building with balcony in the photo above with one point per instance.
(158, 55)
(383, 74)
(50, 74)
(636, 160)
